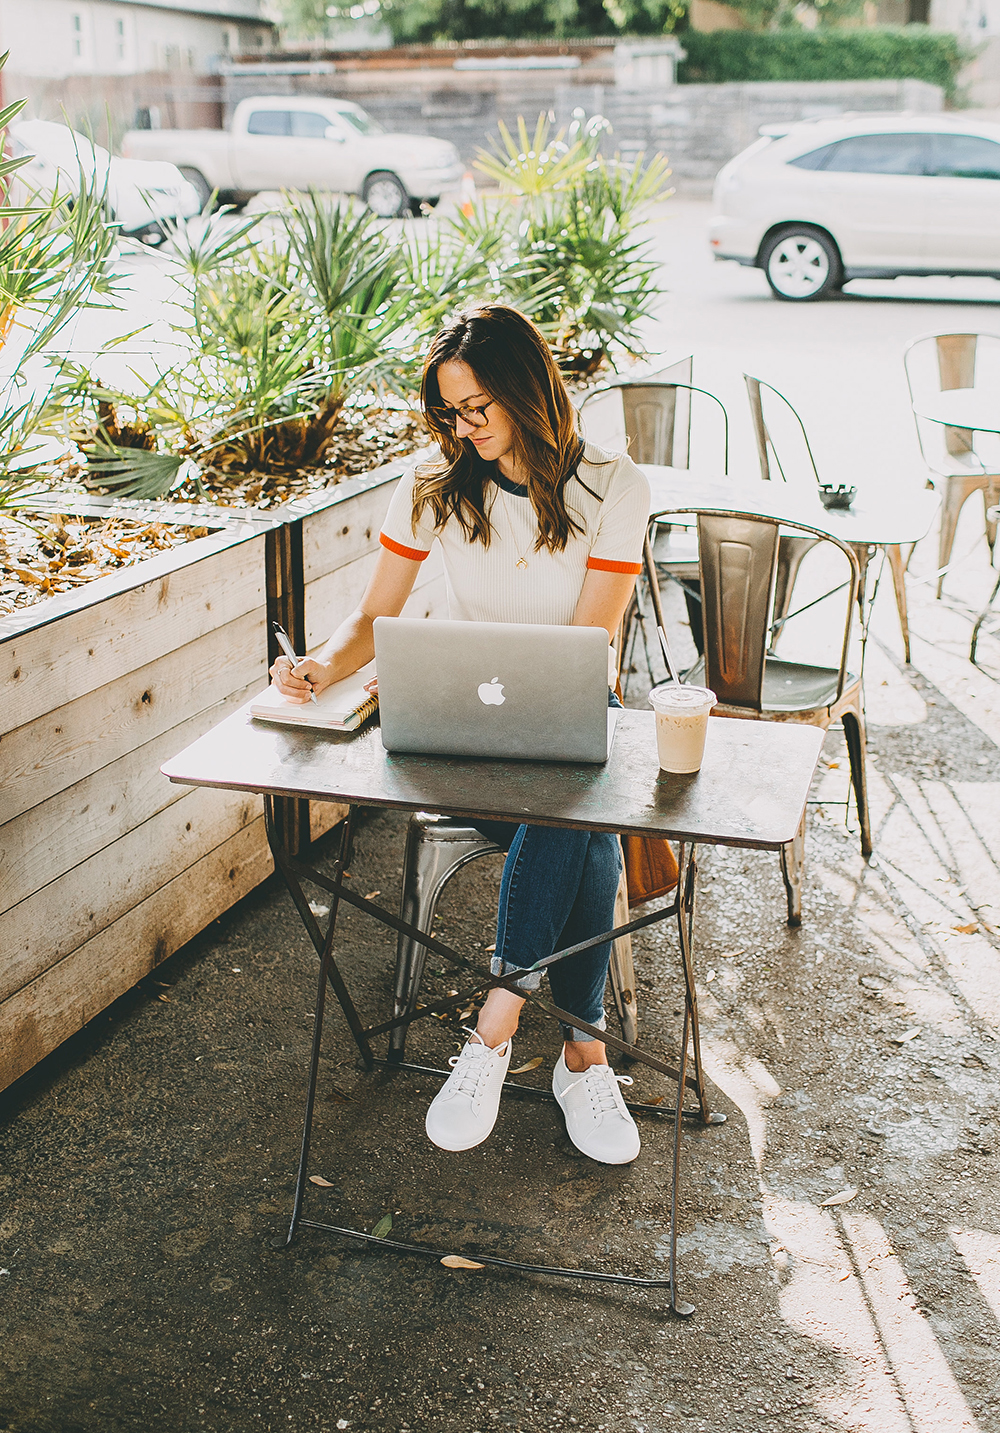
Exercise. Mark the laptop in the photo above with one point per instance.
(496, 689)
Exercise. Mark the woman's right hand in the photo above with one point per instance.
(296, 682)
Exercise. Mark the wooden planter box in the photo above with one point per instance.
(105, 867)
(334, 544)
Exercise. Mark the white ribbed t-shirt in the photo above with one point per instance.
(485, 584)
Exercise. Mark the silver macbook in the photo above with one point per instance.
(493, 689)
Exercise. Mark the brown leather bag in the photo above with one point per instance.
(650, 867)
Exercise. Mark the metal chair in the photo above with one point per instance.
(657, 423)
(738, 553)
(791, 550)
(437, 847)
(953, 360)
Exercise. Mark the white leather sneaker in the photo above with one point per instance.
(596, 1118)
(464, 1110)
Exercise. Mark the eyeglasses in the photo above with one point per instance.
(448, 417)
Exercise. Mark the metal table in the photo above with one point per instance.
(876, 518)
(751, 791)
(975, 409)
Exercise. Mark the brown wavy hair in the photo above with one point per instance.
(513, 367)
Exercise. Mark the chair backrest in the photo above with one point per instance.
(939, 362)
(762, 394)
(737, 559)
(657, 423)
(737, 555)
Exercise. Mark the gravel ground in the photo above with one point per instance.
(147, 1168)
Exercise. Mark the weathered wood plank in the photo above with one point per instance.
(42, 844)
(48, 925)
(62, 747)
(334, 596)
(341, 534)
(324, 815)
(45, 1013)
(57, 661)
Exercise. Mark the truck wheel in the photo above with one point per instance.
(385, 195)
(801, 264)
(198, 183)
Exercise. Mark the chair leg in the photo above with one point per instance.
(981, 619)
(793, 854)
(894, 553)
(622, 971)
(991, 496)
(957, 492)
(428, 865)
(854, 733)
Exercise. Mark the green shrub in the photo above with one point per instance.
(911, 52)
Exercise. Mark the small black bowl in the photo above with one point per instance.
(839, 497)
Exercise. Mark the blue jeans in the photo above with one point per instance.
(558, 889)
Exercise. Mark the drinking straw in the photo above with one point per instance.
(665, 648)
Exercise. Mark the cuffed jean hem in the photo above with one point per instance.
(531, 980)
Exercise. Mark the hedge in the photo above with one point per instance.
(912, 52)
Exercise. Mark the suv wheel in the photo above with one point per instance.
(198, 183)
(801, 265)
(385, 195)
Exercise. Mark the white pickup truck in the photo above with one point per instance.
(297, 142)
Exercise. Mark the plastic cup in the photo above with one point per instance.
(681, 725)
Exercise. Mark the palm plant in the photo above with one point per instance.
(563, 227)
(278, 332)
(54, 260)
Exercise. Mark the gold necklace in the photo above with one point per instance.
(522, 560)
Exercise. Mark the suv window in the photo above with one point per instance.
(269, 121)
(965, 156)
(881, 154)
(308, 125)
(815, 159)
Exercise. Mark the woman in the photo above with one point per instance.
(534, 526)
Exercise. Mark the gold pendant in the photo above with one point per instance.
(521, 562)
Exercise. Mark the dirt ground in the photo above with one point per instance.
(148, 1165)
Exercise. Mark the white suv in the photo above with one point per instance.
(821, 202)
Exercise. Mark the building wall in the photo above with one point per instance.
(98, 58)
(974, 20)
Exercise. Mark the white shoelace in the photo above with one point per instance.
(604, 1092)
(470, 1066)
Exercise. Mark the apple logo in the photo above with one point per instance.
(491, 693)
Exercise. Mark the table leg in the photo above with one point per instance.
(325, 962)
(289, 870)
(683, 908)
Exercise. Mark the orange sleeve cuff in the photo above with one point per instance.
(602, 564)
(415, 554)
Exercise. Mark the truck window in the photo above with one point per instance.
(359, 120)
(306, 125)
(269, 121)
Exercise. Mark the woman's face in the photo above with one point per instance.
(459, 388)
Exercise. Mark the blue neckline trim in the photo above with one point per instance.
(520, 490)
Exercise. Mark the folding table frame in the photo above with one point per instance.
(751, 792)
(295, 871)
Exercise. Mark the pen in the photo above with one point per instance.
(286, 646)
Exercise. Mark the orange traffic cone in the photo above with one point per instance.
(468, 193)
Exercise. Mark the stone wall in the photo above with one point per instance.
(697, 126)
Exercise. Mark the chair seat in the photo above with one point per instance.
(790, 686)
(675, 550)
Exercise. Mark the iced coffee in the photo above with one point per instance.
(681, 725)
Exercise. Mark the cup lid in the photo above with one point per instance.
(681, 698)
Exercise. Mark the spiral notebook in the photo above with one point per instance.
(342, 707)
